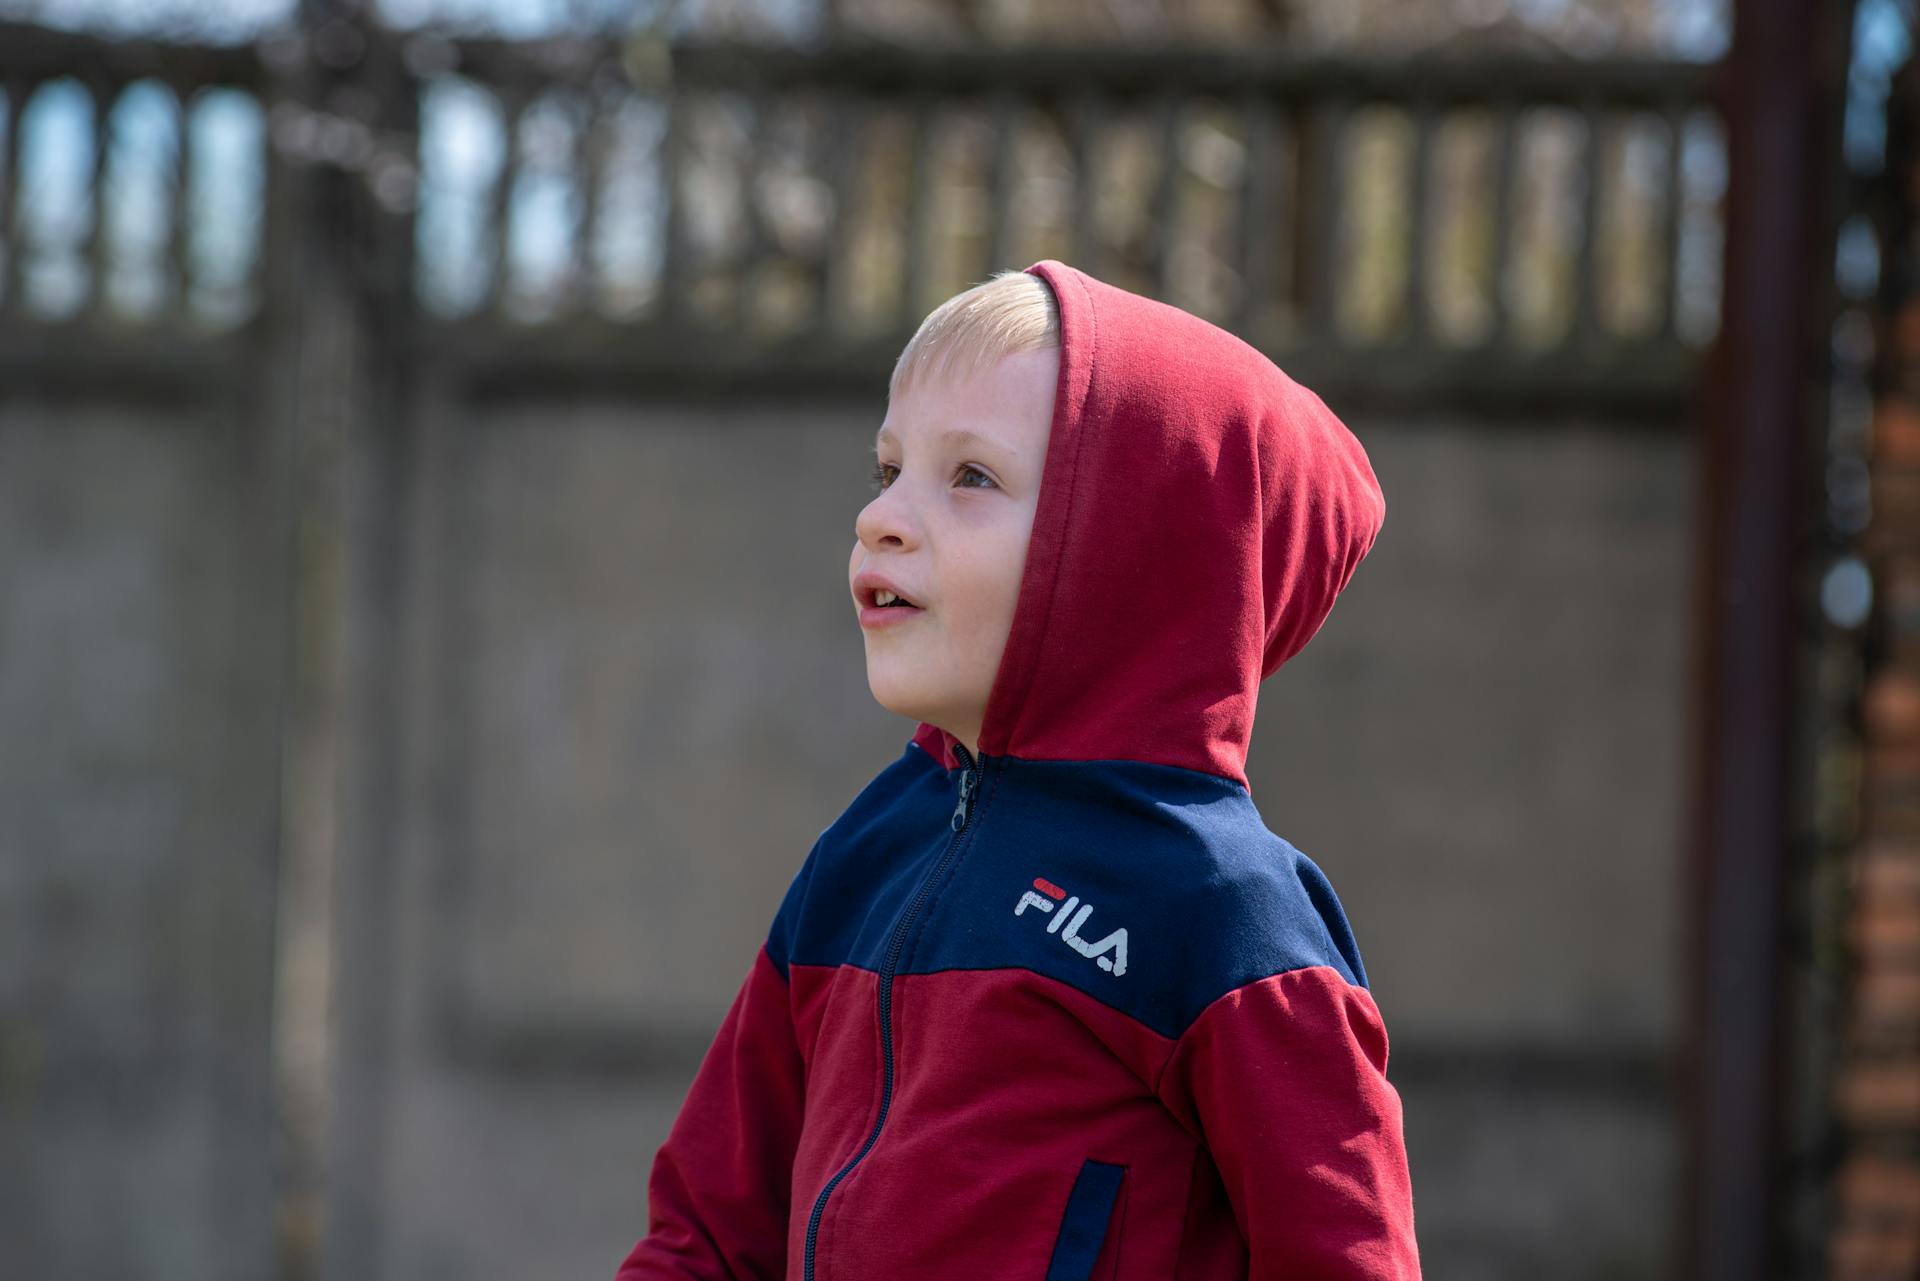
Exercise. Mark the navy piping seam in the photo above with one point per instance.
(1083, 1228)
(1162, 1033)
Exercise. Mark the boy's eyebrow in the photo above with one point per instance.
(960, 434)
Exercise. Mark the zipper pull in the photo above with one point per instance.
(968, 778)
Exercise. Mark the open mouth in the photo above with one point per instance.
(897, 608)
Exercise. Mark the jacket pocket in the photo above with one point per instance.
(1083, 1229)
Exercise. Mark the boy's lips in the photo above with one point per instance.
(872, 616)
(867, 584)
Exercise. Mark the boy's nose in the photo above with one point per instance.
(883, 518)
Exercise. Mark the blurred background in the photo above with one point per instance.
(430, 437)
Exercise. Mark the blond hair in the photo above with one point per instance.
(1009, 312)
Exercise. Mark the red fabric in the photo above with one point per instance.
(1286, 1081)
(1004, 1083)
(1274, 1153)
(722, 1181)
(1199, 512)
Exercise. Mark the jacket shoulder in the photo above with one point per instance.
(1251, 905)
(1210, 897)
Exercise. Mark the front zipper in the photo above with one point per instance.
(962, 813)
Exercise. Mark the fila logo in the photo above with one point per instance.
(1115, 942)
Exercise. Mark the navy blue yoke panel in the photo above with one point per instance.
(1151, 888)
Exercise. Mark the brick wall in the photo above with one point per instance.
(1876, 1189)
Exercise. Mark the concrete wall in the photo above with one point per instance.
(139, 717)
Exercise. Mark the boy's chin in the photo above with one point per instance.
(911, 708)
(912, 702)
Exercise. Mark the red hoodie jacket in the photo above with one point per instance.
(1068, 1009)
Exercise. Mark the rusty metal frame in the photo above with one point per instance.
(1757, 410)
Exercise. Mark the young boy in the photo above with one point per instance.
(1049, 1000)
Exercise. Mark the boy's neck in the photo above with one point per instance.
(969, 739)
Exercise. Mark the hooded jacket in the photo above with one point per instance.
(1068, 1009)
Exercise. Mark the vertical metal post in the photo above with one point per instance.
(337, 313)
(1780, 99)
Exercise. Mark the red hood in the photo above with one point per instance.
(1199, 511)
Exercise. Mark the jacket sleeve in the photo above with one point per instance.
(1285, 1080)
(718, 1194)
(721, 1183)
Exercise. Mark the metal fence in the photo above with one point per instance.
(1448, 228)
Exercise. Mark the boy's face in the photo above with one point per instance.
(949, 530)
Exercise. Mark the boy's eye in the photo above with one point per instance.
(881, 479)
